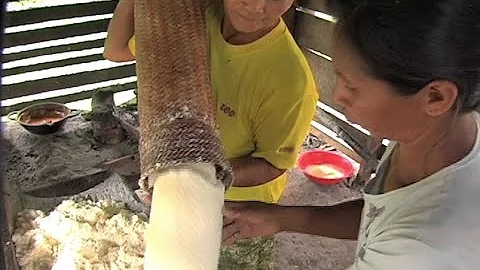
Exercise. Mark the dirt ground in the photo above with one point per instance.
(33, 162)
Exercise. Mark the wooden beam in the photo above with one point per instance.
(54, 64)
(333, 124)
(333, 141)
(66, 81)
(336, 120)
(53, 33)
(367, 166)
(317, 5)
(314, 33)
(36, 15)
(68, 98)
(325, 77)
(52, 50)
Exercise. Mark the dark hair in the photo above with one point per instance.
(409, 43)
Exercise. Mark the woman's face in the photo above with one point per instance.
(249, 16)
(373, 103)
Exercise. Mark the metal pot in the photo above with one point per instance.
(43, 118)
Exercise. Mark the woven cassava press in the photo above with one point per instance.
(176, 102)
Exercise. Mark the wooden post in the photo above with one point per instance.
(106, 128)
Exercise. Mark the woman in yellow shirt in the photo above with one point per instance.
(265, 94)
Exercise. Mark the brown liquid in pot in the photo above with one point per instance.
(42, 121)
(42, 117)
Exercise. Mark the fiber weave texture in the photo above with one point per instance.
(175, 100)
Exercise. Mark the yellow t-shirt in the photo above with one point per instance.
(266, 97)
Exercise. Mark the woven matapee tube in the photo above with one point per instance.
(176, 104)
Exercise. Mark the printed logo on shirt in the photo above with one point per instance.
(227, 110)
(361, 252)
(286, 150)
(373, 213)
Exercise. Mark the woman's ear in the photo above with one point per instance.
(439, 97)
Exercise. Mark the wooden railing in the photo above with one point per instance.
(55, 54)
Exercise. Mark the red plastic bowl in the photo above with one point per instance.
(317, 157)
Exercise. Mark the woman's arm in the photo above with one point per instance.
(250, 171)
(252, 219)
(341, 221)
(120, 30)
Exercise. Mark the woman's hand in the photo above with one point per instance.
(250, 219)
